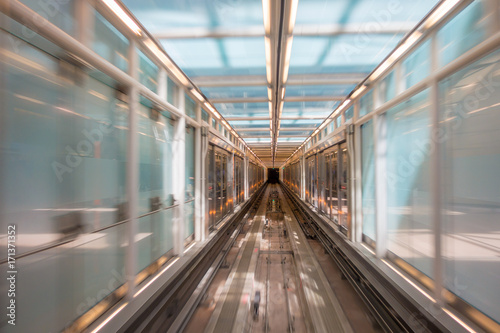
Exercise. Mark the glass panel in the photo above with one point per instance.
(471, 162)
(387, 88)
(409, 219)
(368, 179)
(62, 151)
(464, 31)
(172, 92)
(417, 65)
(349, 113)
(190, 107)
(366, 104)
(148, 72)
(188, 219)
(109, 43)
(204, 115)
(67, 280)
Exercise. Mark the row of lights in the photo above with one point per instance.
(171, 66)
(445, 7)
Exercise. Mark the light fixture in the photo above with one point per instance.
(288, 52)
(197, 95)
(267, 42)
(293, 16)
(174, 70)
(266, 11)
(441, 11)
(396, 54)
(118, 10)
(358, 91)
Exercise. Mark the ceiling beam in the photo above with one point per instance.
(314, 98)
(239, 100)
(287, 99)
(302, 117)
(282, 129)
(366, 28)
(297, 79)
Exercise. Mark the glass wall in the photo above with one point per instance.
(409, 229)
(470, 117)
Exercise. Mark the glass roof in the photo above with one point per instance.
(220, 43)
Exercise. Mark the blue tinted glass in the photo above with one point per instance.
(417, 65)
(366, 104)
(463, 32)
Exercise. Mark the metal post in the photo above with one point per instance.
(380, 152)
(132, 172)
(179, 181)
(198, 161)
(303, 176)
(245, 172)
(435, 166)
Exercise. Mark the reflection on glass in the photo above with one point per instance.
(469, 114)
(408, 197)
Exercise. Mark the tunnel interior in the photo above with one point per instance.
(273, 175)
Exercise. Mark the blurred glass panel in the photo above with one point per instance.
(387, 89)
(56, 286)
(366, 104)
(62, 150)
(204, 115)
(148, 72)
(154, 237)
(188, 219)
(464, 31)
(409, 227)
(190, 107)
(349, 113)
(172, 92)
(60, 13)
(109, 43)
(155, 150)
(368, 180)
(469, 112)
(417, 65)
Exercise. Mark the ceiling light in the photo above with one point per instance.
(267, 43)
(441, 11)
(174, 70)
(266, 11)
(358, 91)
(288, 52)
(396, 54)
(293, 15)
(197, 95)
(118, 10)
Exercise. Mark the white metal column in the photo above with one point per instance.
(435, 179)
(380, 152)
(132, 172)
(303, 176)
(199, 233)
(245, 174)
(179, 164)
